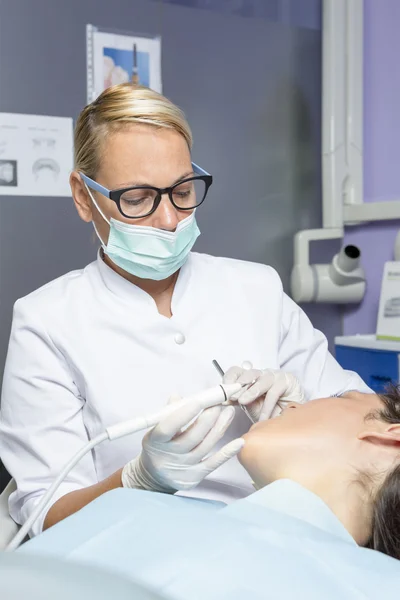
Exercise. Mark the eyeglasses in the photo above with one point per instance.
(141, 201)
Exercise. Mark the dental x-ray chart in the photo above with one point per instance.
(36, 155)
(116, 57)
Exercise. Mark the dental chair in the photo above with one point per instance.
(8, 527)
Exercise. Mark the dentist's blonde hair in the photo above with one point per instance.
(116, 107)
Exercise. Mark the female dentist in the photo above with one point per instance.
(145, 320)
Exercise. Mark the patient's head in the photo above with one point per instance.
(345, 448)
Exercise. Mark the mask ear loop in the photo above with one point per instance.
(101, 213)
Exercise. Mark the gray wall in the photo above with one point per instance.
(251, 91)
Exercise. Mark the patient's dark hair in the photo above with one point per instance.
(385, 535)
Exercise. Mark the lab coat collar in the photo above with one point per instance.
(290, 498)
(129, 292)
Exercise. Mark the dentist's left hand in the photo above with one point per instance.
(265, 392)
(173, 460)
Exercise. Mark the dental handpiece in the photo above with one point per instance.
(221, 372)
(218, 394)
(214, 396)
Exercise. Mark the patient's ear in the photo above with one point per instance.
(390, 436)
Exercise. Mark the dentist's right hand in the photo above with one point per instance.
(172, 459)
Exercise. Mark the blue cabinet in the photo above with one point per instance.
(376, 361)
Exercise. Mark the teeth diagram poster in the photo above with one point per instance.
(114, 58)
(36, 155)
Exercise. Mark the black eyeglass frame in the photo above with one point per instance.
(115, 195)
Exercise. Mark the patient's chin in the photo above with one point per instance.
(257, 425)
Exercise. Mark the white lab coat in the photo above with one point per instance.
(90, 349)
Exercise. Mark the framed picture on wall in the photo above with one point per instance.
(116, 57)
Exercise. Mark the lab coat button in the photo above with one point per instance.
(247, 365)
(180, 338)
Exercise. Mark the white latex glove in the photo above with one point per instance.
(268, 391)
(172, 459)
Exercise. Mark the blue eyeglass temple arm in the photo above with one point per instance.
(95, 186)
(106, 192)
(199, 170)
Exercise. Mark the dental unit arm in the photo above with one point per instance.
(343, 280)
(211, 397)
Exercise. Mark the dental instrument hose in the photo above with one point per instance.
(23, 532)
(210, 397)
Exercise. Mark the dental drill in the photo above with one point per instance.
(211, 397)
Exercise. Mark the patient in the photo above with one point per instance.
(328, 480)
(346, 451)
